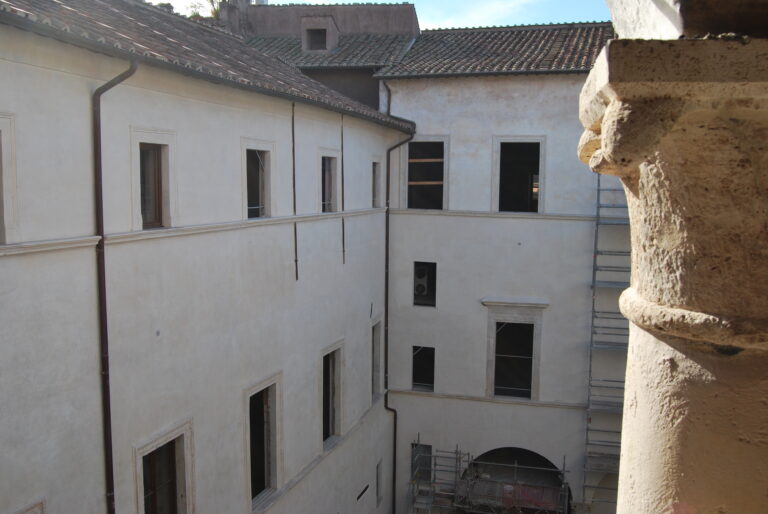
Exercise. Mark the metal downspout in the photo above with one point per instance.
(386, 306)
(101, 271)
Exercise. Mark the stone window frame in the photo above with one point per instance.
(336, 437)
(378, 183)
(270, 148)
(336, 201)
(9, 195)
(183, 430)
(514, 310)
(496, 172)
(167, 139)
(37, 508)
(265, 496)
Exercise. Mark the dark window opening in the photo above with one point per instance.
(423, 375)
(151, 178)
(255, 180)
(376, 185)
(425, 175)
(328, 172)
(514, 359)
(519, 177)
(261, 413)
(160, 485)
(316, 39)
(330, 394)
(425, 283)
(421, 462)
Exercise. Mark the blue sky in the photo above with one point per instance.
(473, 13)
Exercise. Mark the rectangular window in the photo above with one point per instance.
(425, 283)
(256, 180)
(421, 462)
(261, 413)
(423, 374)
(328, 173)
(163, 475)
(514, 359)
(376, 185)
(425, 175)
(375, 361)
(519, 177)
(316, 39)
(151, 177)
(331, 382)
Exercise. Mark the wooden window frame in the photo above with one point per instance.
(167, 140)
(445, 161)
(156, 183)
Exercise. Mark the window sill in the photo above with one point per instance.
(264, 499)
(331, 443)
(494, 214)
(502, 400)
(515, 301)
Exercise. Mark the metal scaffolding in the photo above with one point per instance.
(610, 334)
(445, 482)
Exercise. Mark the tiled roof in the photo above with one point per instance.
(353, 51)
(133, 30)
(567, 48)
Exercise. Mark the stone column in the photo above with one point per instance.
(684, 124)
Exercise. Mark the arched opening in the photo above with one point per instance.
(513, 481)
(604, 497)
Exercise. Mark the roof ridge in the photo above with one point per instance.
(145, 4)
(521, 26)
(171, 46)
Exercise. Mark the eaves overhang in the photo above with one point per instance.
(23, 23)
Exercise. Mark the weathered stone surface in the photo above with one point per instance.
(694, 437)
(685, 125)
(692, 148)
(669, 19)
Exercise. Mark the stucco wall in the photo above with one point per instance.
(480, 253)
(199, 313)
(470, 112)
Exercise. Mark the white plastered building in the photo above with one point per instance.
(226, 305)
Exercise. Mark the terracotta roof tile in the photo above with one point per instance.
(566, 48)
(133, 30)
(353, 51)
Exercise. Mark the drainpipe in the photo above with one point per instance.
(386, 307)
(101, 270)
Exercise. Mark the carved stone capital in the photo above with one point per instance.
(685, 125)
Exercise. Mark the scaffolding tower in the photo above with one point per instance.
(608, 346)
(448, 482)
